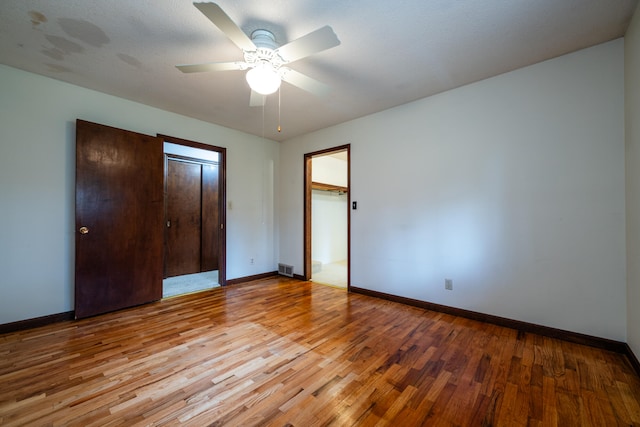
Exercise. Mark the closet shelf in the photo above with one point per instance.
(328, 187)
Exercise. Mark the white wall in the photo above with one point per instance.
(329, 226)
(632, 135)
(330, 170)
(513, 187)
(37, 163)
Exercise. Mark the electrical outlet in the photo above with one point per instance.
(448, 284)
(251, 261)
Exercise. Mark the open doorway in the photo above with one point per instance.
(194, 242)
(327, 216)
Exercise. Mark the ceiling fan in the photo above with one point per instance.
(263, 58)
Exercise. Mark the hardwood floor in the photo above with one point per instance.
(287, 353)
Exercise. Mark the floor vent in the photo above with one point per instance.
(285, 270)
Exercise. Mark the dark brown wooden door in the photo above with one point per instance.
(184, 218)
(119, 219)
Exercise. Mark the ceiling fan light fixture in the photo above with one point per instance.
(263, 79)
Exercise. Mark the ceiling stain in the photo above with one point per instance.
(57, 68)
(37, 18)
(53, 53)
(64, 45)
(134, 62)
(84, 31)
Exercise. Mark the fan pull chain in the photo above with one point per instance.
(263, 120)
(279, 129)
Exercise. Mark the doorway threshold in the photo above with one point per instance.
(189, 283)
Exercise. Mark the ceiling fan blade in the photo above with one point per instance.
(212, 66)
(317, 41)
(257, 99)
(304, 82)
(226, 25)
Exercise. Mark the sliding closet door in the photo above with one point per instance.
(119, 219)
(192, 216)
(210, 217)
(183, 218)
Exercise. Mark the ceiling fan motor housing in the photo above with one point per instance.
(265, 52)
(264, 38)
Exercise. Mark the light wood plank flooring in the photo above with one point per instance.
(286, 353)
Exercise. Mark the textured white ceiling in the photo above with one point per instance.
(391, 52)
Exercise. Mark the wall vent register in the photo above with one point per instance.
(285, 270)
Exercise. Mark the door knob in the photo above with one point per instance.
(84, 230)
